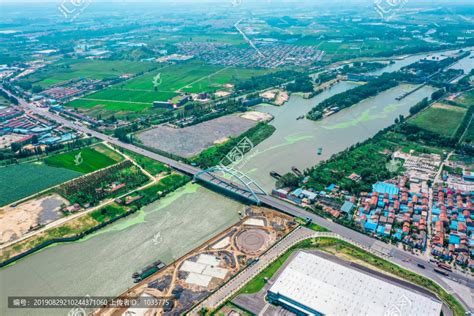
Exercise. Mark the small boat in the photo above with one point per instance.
(296, 171)
(300, 117)
(276, 175)
(320, 151)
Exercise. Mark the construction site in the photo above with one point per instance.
(197, 274)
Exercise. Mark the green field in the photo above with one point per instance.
(440, 119)
(469, 138)
(84, 160)
(91, 69)
(146, 97)
(93, 107)
(138, 94)
(3, 101)
(20, 181)
(192, 77)
(152, 166)
(466, 99)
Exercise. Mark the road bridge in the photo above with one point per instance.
(245, 187)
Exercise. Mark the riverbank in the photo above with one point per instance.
(89, 223)
(214, 155)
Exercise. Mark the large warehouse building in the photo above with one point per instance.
(313, 285)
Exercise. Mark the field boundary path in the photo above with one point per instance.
(66, 219)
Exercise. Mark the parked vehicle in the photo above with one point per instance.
(445, 267)
(440, 272)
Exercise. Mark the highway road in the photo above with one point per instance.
(462, 286)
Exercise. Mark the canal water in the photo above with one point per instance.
(102, 264)
(296, 142)
(464, 64)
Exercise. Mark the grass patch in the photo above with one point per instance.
(192, 77)
(152, 166)
(440, 120)
(68, 69)
(107, 213)
(469, 138)
(466, 99)
(83, 160)
(312, 226)
(131, 96)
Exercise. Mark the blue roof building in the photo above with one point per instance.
(454, 239)
(454, 225)
(370, 226)
(382, 188)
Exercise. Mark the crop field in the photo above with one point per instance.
(466, 99)
(94, 107)
(469, 137)
(174, 77)
(131, 96)
(90, 69)
(440, 118)
(138, 94)
(31, 178)
(85, 160)
(192, 77)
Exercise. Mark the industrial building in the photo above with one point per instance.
(313, 285)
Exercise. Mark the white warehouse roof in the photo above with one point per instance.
(336, 289)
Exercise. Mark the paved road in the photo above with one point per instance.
(400, 257)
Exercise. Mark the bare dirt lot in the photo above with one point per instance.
(7, 140)
(190, 141)
(17, 221)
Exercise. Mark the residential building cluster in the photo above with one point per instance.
(453, 225)
(272, 55)
(392, 211)
(328, 200)
(64, 92)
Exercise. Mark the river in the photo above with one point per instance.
(295, 142)
(400, 63)
(102, 263)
